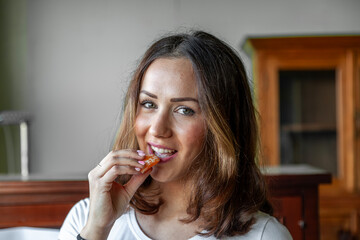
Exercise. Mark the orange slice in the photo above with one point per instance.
(150, 161)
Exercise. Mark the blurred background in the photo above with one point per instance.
(65, 66)
(68, 63)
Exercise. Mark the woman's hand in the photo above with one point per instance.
(108, 199)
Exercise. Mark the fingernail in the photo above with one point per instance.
(141, 162)
(141, 153)
(137, 169)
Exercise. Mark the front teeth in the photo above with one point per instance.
(162, 150)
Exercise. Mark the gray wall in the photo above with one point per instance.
(80, 55)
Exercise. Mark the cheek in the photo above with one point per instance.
(140, 127)
(194, 136)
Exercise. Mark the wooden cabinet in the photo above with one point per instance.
(294, 196)
(307, 93)
(38, 203)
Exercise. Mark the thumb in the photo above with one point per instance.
(135, 182)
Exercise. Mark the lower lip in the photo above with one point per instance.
(163, 160)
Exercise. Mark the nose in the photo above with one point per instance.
(160, 125)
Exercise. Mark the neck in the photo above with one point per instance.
(166, 221)
(176, 196)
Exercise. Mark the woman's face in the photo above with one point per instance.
(169, 122)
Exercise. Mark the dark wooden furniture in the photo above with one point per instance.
(294, 196)
(307, 91)
(40, 203)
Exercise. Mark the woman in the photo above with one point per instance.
(190, 104)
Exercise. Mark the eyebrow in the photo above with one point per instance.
(184, 99)
(180, 99)
(149, 94)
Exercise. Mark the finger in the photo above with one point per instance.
(122, 163)
(124, 153)
(127, 153)
(117, 170)
(122, 158)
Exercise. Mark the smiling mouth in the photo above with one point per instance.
(163, 153)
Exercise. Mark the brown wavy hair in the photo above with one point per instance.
(227, 186)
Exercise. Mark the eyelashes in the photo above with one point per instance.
(148, 104)
(183, 110)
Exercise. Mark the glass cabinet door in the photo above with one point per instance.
(307, 115)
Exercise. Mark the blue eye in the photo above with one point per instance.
(185, 111)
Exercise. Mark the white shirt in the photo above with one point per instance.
(127, 227)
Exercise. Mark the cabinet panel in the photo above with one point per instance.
(289, 211)
(38, 203)
(45, 215)
(357, 117)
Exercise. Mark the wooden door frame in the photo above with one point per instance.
(269, 62)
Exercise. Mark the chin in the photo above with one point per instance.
(161, 176)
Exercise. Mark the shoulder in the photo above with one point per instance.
(75, 220)
(78, 216)
(126, 227)
(265, 227)
(80, 211)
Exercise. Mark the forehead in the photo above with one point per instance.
(170, 76)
